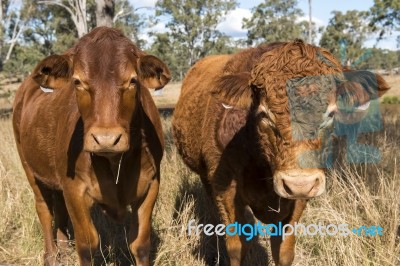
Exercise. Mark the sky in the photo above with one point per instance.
(321, 13)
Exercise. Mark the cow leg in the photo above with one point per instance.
(44, 209)
(43, 198)
(86, 237)
(283, 251)
(60, 220)
(232, 209)
(140, 226)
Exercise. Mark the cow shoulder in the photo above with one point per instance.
(230, 121)
(234, 90)
(234, 98)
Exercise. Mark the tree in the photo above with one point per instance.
(35, 31)
(309, 22)
(273, 20)
(47, 30)
(77, 10)
(173, 53)
(307, 30)
(385, 17)
(129, 21)
(3, 7)
(192, 26)
(50, 30)
(345, 35)
(105, 12)
(82, 14)
(14, 18)
(379, 59)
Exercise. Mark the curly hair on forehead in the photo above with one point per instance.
(291, 61)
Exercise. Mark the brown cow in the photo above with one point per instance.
(87, 132)
(234, 125)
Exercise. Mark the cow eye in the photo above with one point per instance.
(79, 86)
(133, 81)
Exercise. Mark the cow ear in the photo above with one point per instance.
(50, 69)
(373, 84)
(234, 90)
(359, 89)
(153, 72)
(383, 86)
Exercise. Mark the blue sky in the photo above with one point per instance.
(321, 14)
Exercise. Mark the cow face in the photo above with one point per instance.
(107, 72)
(293, 96)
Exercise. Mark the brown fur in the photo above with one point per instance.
(237, 150)
(93, 86)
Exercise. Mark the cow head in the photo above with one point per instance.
(292, 95)
(106, 71)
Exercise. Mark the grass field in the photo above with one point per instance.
(357, 195)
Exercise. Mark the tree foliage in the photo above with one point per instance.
(105, 10)
(375, 58)
(345, 35)
(192, 29)
(33, 29)
(77, 10)
(274, 20)
(44, 29)
(385, 17)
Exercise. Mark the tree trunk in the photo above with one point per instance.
(1, 34)
(105, 12)
(17, 31)
(77, 10)
(81, 23)
(309, 22)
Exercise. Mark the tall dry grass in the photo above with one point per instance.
(356, 195)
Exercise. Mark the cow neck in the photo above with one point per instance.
(116, 162)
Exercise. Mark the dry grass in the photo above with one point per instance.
(361, 195)
(394, 83)
(168, 96)
(20, 234)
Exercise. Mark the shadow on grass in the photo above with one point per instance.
(114, 247)
(212, 249)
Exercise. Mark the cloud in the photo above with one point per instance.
(318, 22)
(232, 25)
(145, 34)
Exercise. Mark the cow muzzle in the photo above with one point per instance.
(299, 184)
(103, 141)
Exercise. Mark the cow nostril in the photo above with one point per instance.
(316, 184)
(95, 139)
(117, 140)
(287, 189)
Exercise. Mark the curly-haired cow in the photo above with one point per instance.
(246, 123)
(87, 132)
